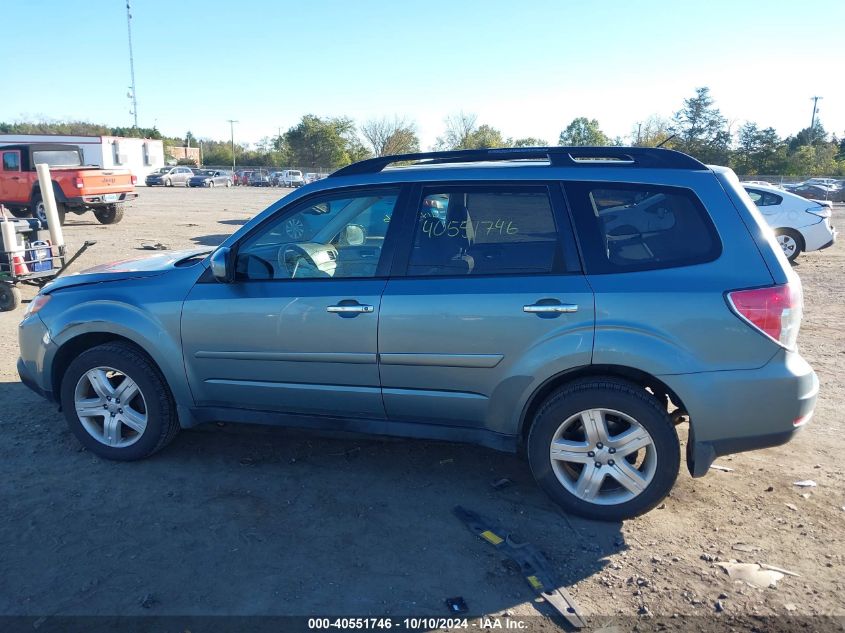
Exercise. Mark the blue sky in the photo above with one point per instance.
(526, 67)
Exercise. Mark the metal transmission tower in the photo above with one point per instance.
(131, 95)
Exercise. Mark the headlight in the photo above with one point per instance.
(36, 304)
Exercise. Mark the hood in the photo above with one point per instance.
(127, 269)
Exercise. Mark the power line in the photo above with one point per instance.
(132, 96)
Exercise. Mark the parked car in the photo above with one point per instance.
(311, 177)
(819, 192)
(292, 178)
(260, 179)
(825, 182)
(242, 177)
(169, 176)
(211, 178)
(78, 188)
(531, 317)
(276, 178)
(800, 225)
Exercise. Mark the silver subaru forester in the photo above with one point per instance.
(575, 304)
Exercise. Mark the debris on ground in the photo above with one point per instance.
(457, 605)
(806, 483)
(499, 484)
(148, 601)
(780, 570)
(791, 506)
(534, 566)
(724, 469)
(158, 246)
(745, 547)
(752, 574)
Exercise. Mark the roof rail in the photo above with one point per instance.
(652, 157)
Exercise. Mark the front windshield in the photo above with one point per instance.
(206, 172)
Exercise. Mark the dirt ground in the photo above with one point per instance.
(243, 520)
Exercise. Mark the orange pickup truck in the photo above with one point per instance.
(78, 187)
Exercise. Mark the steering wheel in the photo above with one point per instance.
(292, 256)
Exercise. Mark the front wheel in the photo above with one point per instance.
(117, 403)
(168, 183)
(111, 214)
(10, 297)
(790, 242)
(604, 449)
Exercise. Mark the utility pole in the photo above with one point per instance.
(131, 65)
(639, 128)
(815, 101)
(232, 131)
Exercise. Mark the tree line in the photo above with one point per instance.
(698, 128)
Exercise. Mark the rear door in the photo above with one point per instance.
(487, 297)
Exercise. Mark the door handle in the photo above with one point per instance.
(550, 308)
(355, 308)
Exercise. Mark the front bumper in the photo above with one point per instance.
(736, 411)
(36, 348)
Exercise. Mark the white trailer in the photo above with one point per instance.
(139, 155)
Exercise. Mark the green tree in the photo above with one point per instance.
(324, 142)
(483, 137)
(528, 141)
(701, 129)
(654, 131)
(583, 132)
(758, 151)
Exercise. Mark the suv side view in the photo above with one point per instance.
(575, 304)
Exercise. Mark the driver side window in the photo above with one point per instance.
(334, 237)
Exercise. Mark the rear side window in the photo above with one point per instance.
(764, 198)
(484, 231)
(626, 227)
(11, 161)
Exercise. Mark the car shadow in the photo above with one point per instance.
(246, 520)
(210, 240)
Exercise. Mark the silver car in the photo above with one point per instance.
(573, 304)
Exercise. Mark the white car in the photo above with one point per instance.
(799, 224)
(292, 178)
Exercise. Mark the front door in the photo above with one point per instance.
(14, 186)
(492, 296)
(296, 332)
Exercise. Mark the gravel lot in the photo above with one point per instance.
(245, 520)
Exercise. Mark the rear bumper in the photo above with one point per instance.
(98, 200)
(737, 411)
(819, 235)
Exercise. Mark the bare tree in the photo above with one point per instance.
(459, 129)
(391, 136)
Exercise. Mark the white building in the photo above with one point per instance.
(139, 155)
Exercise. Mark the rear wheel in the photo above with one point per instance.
(10, 297)
(211, 184)
(39, 209)
(111, 214)
(604, 449)
(790, 242)
(168, 183)
(117, 403)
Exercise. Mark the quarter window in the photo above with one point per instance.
(484, 231)
(326, 238)
(764, 198)
(640, 227)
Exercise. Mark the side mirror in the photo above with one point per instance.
(354, 235)
(221, 266)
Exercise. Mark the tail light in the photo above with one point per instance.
(77, 182)
(134, 179)
(775, 311)
(821, 211)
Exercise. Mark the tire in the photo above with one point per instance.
(168, 183)
(21, 213)
(624, 411)
(10, 297)
(791, 243)
(111, 214)
(38, 209)
(211, 184)
(228, 184)
(113, 363)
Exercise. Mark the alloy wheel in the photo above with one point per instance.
(110, 407)
(603, 456)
